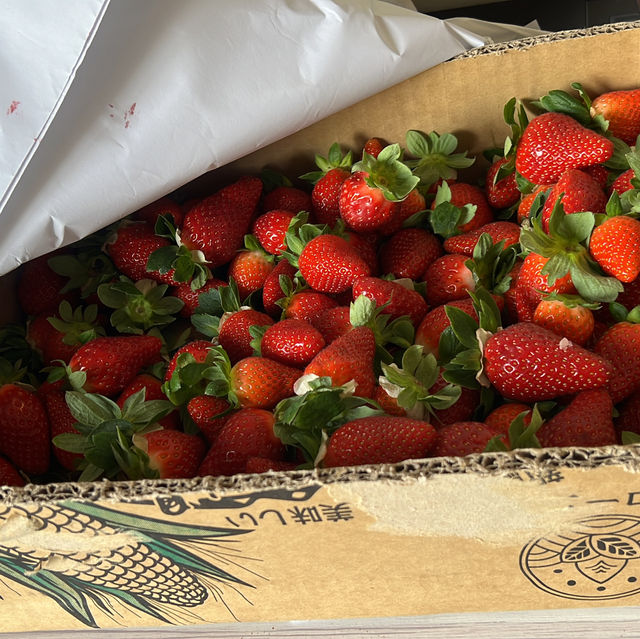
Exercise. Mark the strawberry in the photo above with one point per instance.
(388, 404)
(24, 429)
(216, 226)
(349, 357)
(332, 322)
(567, 316)
(599, 172)
(270, 230)
(408, 253)
(462, 438)
(287, 198)
(465, 243)
(501, 417)
(623, 182)
(61, 421)
(250, 268)
(553, 142)
(153, 390)
(162, 206)
(259, 382)
(307, 304)
(615, 245)
(622, 110)
(373, 146)
(527, 201)
(248, 433)
(326, 196)
(173, 454)
(9, 475)
(396, 299)
(366, 244)
(258, 465)
(414, 203)
(330, 264)
(463, 194)
(185, 292)
(130, 248)
(234, 334)
(503, 192)
(195, 350)
(379, 439)
(105, 365)
(586, 421)
(292, 342)
(461, 410)
(272, 288)
(209, 414)
(448, 278)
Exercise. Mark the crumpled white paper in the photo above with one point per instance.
(161, 92)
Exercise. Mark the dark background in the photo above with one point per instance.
(552, 15)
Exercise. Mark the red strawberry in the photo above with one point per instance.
(172, 453)
(566, 317)
(234, 334)
(259, 382)
(387, 403)
(400, 301)
(162, 206)
(524, 208)
(367, 246)
(198, 349)
(528, 363)
(185, 292)
(462, 438)
(250, 269)
(504, 192)
(257, 465)
(347, 358)
(501, 230)
(217, 225)
(24, 429)
(501, 417)
(130, 248)
(463, 193)
(288, 198)
(408, 252)
(615, 245)
(622, 110)
(333, 322)
(330, 264)
(462, 410)
(152, 390)
(248, 433)
(448, 278)
(373, 146)
(599, 172)
(412, 204)
(61, 421)
(110, 363)
(554, 142)
(209, 414)
(379, 439)
(270, 229)
(9, 475)
(272, 288)
(586, 421)
(623, 182)
(292, 342)
(326, 195)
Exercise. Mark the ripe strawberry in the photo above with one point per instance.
(234, 334)
(462, 438)
(152, 390)
(190, 297)
(292, 342)
(527, 201)
(622, 110)
(130, 248)
(578, 192)
(615, 245)
(307, 304)
(332, 322)
(162, 206)
(388, 404)
(379, 439)
(599, 172)
(408, 253)
(258, 465)
(349, 357)
(460, 411)
(24, 429)
(373, 146)
(463, 193)
(9, 475)
(501, 193)
(209, 414)
(110, 363)
(448, 278)
(272, 287)
(217, 225)
(367, 246)
(586, 421)
(259, 382)
(500, 418)
(412, 204)
(249, 269)
(248, 433)
(198, 349)
(270, 230)
(623, 182)
(619, 345)
(565, 316)
(501, 230)
(400, 301)
(330, 264)
(528, 363)
(288, 198)
(326, 196)
(61, 421)
(173, 453)
(554, 142)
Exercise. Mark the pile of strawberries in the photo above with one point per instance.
(371, 311)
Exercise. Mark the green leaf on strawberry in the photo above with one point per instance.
(520, 435)
(335, 159)
(445, 218)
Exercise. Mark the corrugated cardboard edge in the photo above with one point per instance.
(535, 463)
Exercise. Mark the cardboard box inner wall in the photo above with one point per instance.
(561, 528)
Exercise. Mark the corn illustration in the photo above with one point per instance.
(80, 553)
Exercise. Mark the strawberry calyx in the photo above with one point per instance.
(78, 325)
(138, 306)
(335, 159)
(411, 383)
(445, 218)
(306, 421)
(105, 434)
(434, 157)
(213, 305)
(621, 314)
(388, 173)
(520, 434)
(491, 264)
(85, 270)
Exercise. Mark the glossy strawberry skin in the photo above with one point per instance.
(9, 475)
(234, 334)
(502, 230)
(364, 208)
(292, 342)
(259, 382)
(249, 270)
(209, 414)
(190, 297)
(326, 196)
(152, 390)
(377, 440)
(615, 245)
(463, 193)
(504, 192)
(528, 363)
(447, 279)
(408, 253)
(573, 322)
(175, 454)
(61, 421)
(462, 438)
(333, 322)
(554, 142)
(272, 290)
(622, 110)
(162, 206)
(287, 198)
(270, 229)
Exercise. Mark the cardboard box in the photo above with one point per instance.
(527, 530)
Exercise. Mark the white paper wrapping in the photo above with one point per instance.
(169, 90)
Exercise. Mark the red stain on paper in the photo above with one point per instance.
(13, 107)
(126, 115)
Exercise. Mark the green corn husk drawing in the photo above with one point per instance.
(81, 554)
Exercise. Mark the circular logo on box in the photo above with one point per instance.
(596, 558)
